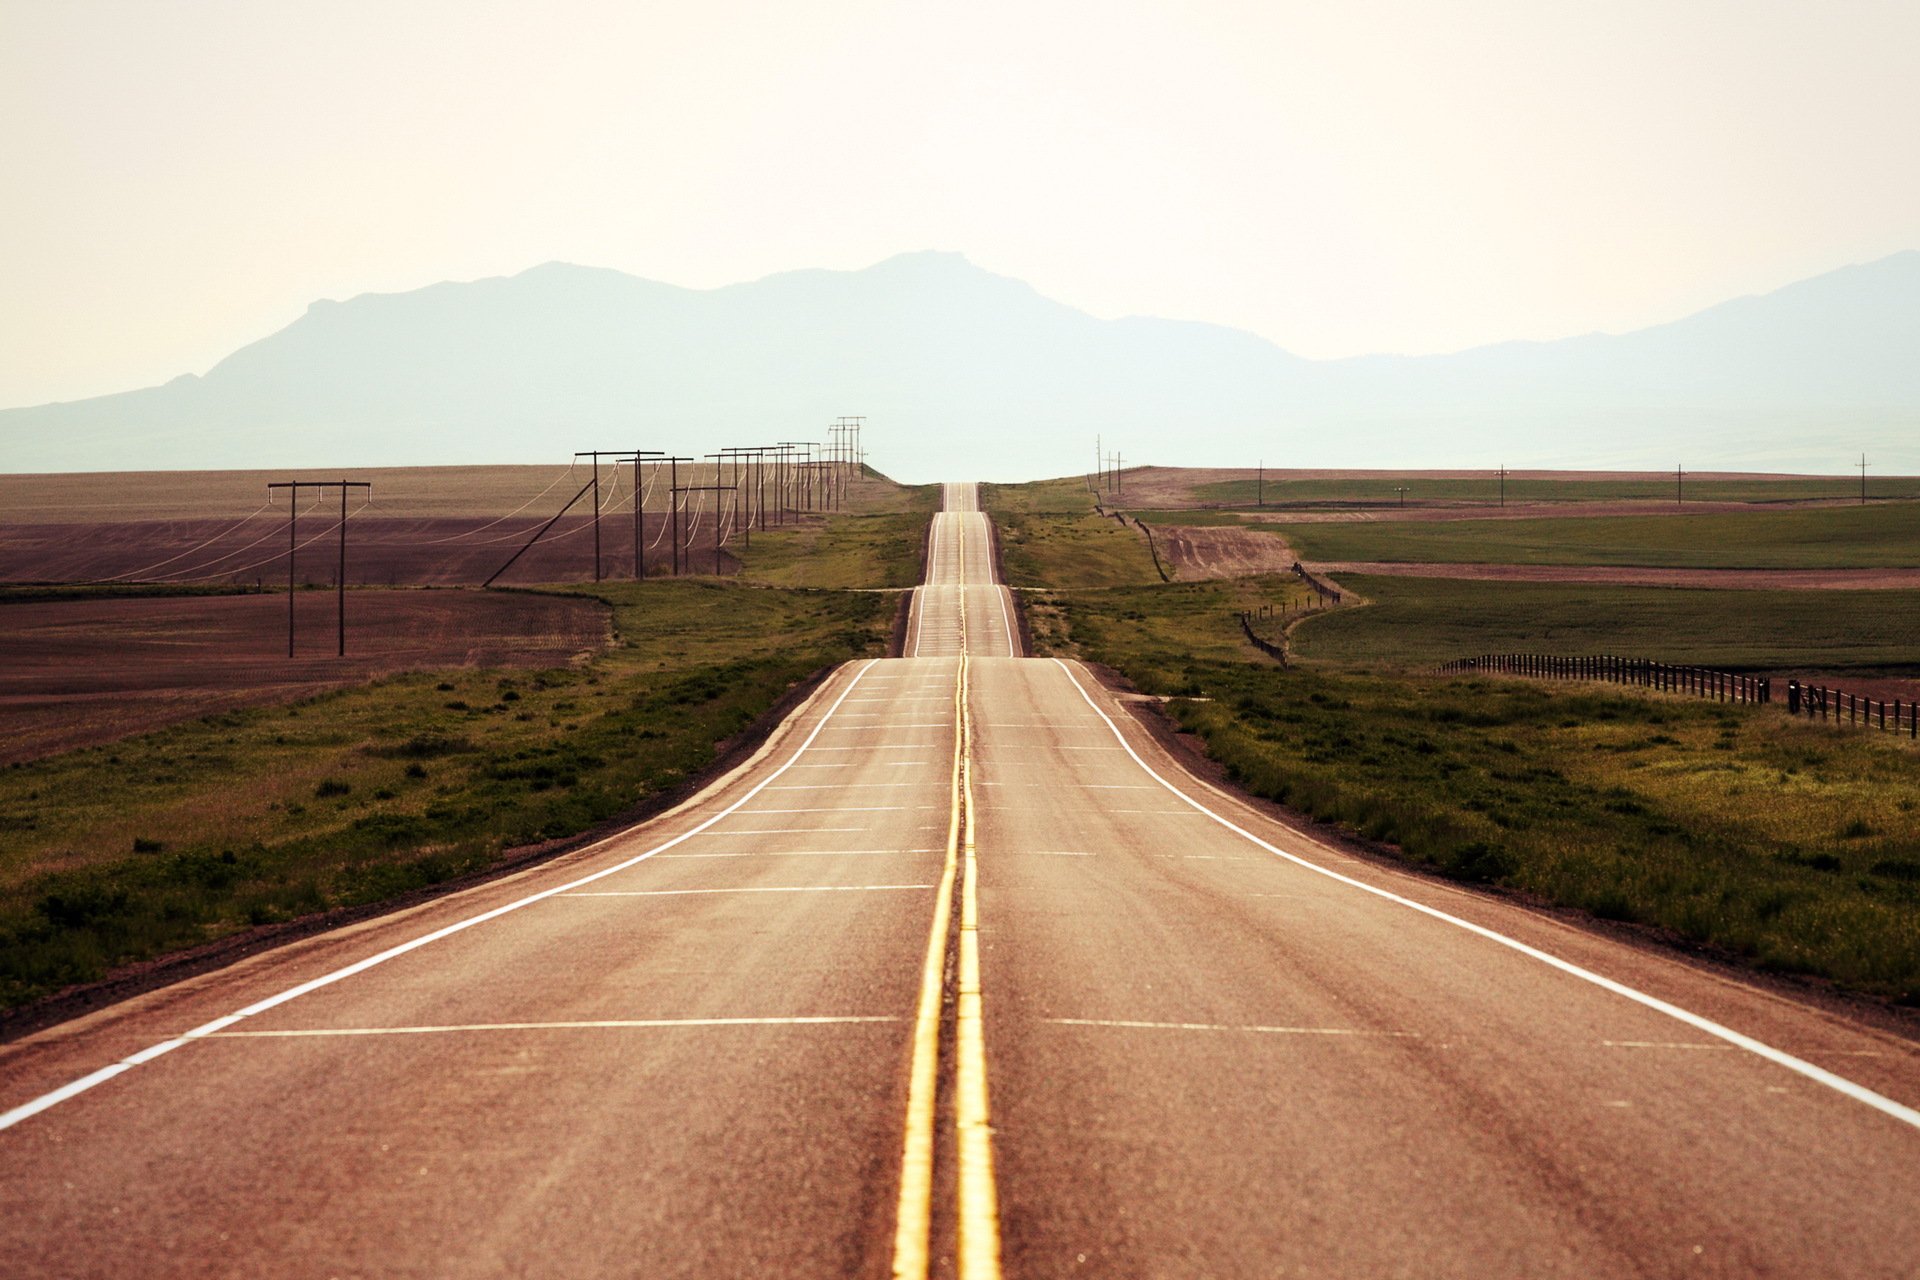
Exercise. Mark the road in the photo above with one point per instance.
(962, 974)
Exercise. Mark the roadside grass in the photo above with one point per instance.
(124, 852)
(1378, 489)
(1423, 622)
(851, 551)
(1884, 535)
(1792, 845)
(1053, 538)
(1067, 494)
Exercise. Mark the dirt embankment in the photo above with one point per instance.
(1192, 553)
(78, 672)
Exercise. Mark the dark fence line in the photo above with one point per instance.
(1812, 700)
(1816, 702)
(1721, 686)
(1152, 550)
(1277, 652)
(1326, 590)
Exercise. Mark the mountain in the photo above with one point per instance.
(962, 372)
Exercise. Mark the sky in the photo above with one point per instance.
(184, 178)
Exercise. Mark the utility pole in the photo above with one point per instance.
(1260, 484)
(619, 456)
(1099, 462)
(293, 488)
(1863, 479)
(1503, 484)
(639, 518)
(1401, 489)
(794, 473)
(1679, 489)
(673, 507)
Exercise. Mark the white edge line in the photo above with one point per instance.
(1820, 1075)
(34, 1107)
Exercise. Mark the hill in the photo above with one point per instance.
(964, 372)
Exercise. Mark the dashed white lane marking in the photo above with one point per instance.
(1062, 853)
(800, 853)
(1228, 1026)
(112, 1070)
(1800, 1066)
(784, 888)
(596, 1024)
(1664, 1044)
(891, 764)
(780, 831)
(919, 746)
(838, 786)
(845, 808)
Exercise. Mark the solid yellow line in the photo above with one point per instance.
(913, 1222)
(979, 1208)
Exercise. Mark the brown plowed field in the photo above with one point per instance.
(77, 672)
(1624, 576)
(381, 550)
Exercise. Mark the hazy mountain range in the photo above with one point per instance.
(964, 373)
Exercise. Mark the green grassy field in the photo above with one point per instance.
(856, 551)
(126, 851)
(1422, 622)
(1791, 845)
(1378, 489)
(1883, 535)
(1069, 552)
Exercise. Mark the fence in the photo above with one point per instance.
(1326, 590)
(1813, 700)
(1277, 652)
(1722, 686)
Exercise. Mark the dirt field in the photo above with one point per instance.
(422, 526)
(1615, 575)
(1222, 551)
(76, 672)
(381, 551)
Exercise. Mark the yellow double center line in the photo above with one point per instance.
(978, 1214)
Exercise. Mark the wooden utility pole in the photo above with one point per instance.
(1503, 484)
(293, 488)
(1260, 484)
(1679, 489)
(1863, 479)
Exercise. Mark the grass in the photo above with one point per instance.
(1377, 489)
(1070, 551)
(154, 843)
(856, 551)
(1783, 842)
(1794, 846)
(1885, 535)
(1422, 622)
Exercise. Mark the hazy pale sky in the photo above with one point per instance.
(182, 178)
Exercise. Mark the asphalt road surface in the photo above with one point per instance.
(962, 974)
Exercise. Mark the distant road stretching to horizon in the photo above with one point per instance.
(962, 974)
